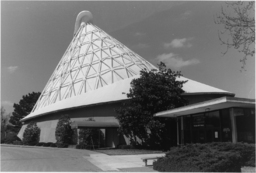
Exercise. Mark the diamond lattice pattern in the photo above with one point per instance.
(93, 60)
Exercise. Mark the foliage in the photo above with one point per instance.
(63, 131)
(22, 109)
(53, 145)
(153, 92)
(4, 123)
(90, 137)
(48, 144)
(17, 143)
(10, 138)
(40, 144)
(31, 135)
(246, 151)
(240, 26)
(212, 157)
(59, 145)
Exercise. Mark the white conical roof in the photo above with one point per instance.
(92, 60)
(95, 68)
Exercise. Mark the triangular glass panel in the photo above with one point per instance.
(82, 88)
(83, 31)
(116, 77)
(107, 62)
(96, 44)
(119, 60)
(104, 54)
(77, 87)
(96, 67)
(68, 80)
(53, 97)
(85, 71)
(87, 39)
(107, 77)
(77, 64)
(57, 83)
(98, 54)
(81, 59)
(126, 61)
(63, 90)
(135, 69)
(90, 28)
(91, 82)
(88, 59)
(73, 74)
(122, 73)
(103, 44)
(104, 67)
(94, 36)
(83, 49)
(92, 72)
(95, 58)
(81, 40)
(116, 64)
(79, 75)
(90, 48)
(142, 66)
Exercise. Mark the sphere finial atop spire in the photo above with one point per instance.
(83, 17)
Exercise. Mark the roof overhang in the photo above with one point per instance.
(211, 105)
(94, 124)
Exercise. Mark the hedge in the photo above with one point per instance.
(212, 157)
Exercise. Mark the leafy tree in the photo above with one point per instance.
(240, 27)
(63, 131)
(31, 135)
(153, 92)
(5, 125)
(22, 109)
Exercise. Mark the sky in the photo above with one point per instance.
(183, 35)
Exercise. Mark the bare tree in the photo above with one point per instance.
(239, 28)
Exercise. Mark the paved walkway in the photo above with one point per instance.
(26, 158)
(117, 163)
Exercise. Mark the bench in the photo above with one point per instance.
(145, 159)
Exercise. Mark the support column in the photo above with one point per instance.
(182, 131)
(233, 125)
(78, 141)
(177, 120)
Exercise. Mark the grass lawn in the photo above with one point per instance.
(127, 151)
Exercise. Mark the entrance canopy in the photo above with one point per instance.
(210, 105)
(94, 124)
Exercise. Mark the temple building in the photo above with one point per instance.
(91, 81)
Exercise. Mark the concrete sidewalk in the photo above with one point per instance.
(124, 163)
(104, 162)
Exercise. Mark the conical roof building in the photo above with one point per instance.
(95, 70)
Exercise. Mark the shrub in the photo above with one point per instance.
(48, 144)
(63, 131)
(31, 134)
(17, 143)
(62, 145)
(53, 145)
(126, 147)
(247, 151)
(80, 146)
(10, 138)
(199, 158)
(40, 144)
